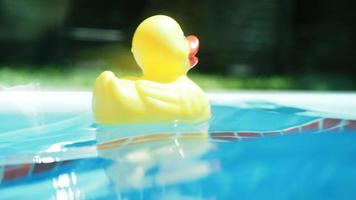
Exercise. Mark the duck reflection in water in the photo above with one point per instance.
(157, 161)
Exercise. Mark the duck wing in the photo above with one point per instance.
(162, 97)
(182, 97)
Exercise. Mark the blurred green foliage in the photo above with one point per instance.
(273, 44)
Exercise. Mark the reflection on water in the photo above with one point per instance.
(158, 163)
(70, 179)
(292, 156)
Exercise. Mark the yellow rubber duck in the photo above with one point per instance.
(163, 93)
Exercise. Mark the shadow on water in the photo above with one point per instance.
(256, 151)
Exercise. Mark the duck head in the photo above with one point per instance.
(161, 49)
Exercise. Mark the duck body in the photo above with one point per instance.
(163, 93)
(130, 101)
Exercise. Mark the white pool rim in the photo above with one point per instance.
(335, 104)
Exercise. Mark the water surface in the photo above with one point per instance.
(256, 151)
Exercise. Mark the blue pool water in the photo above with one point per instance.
(258, 151)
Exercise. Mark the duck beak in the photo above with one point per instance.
(194, 48)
